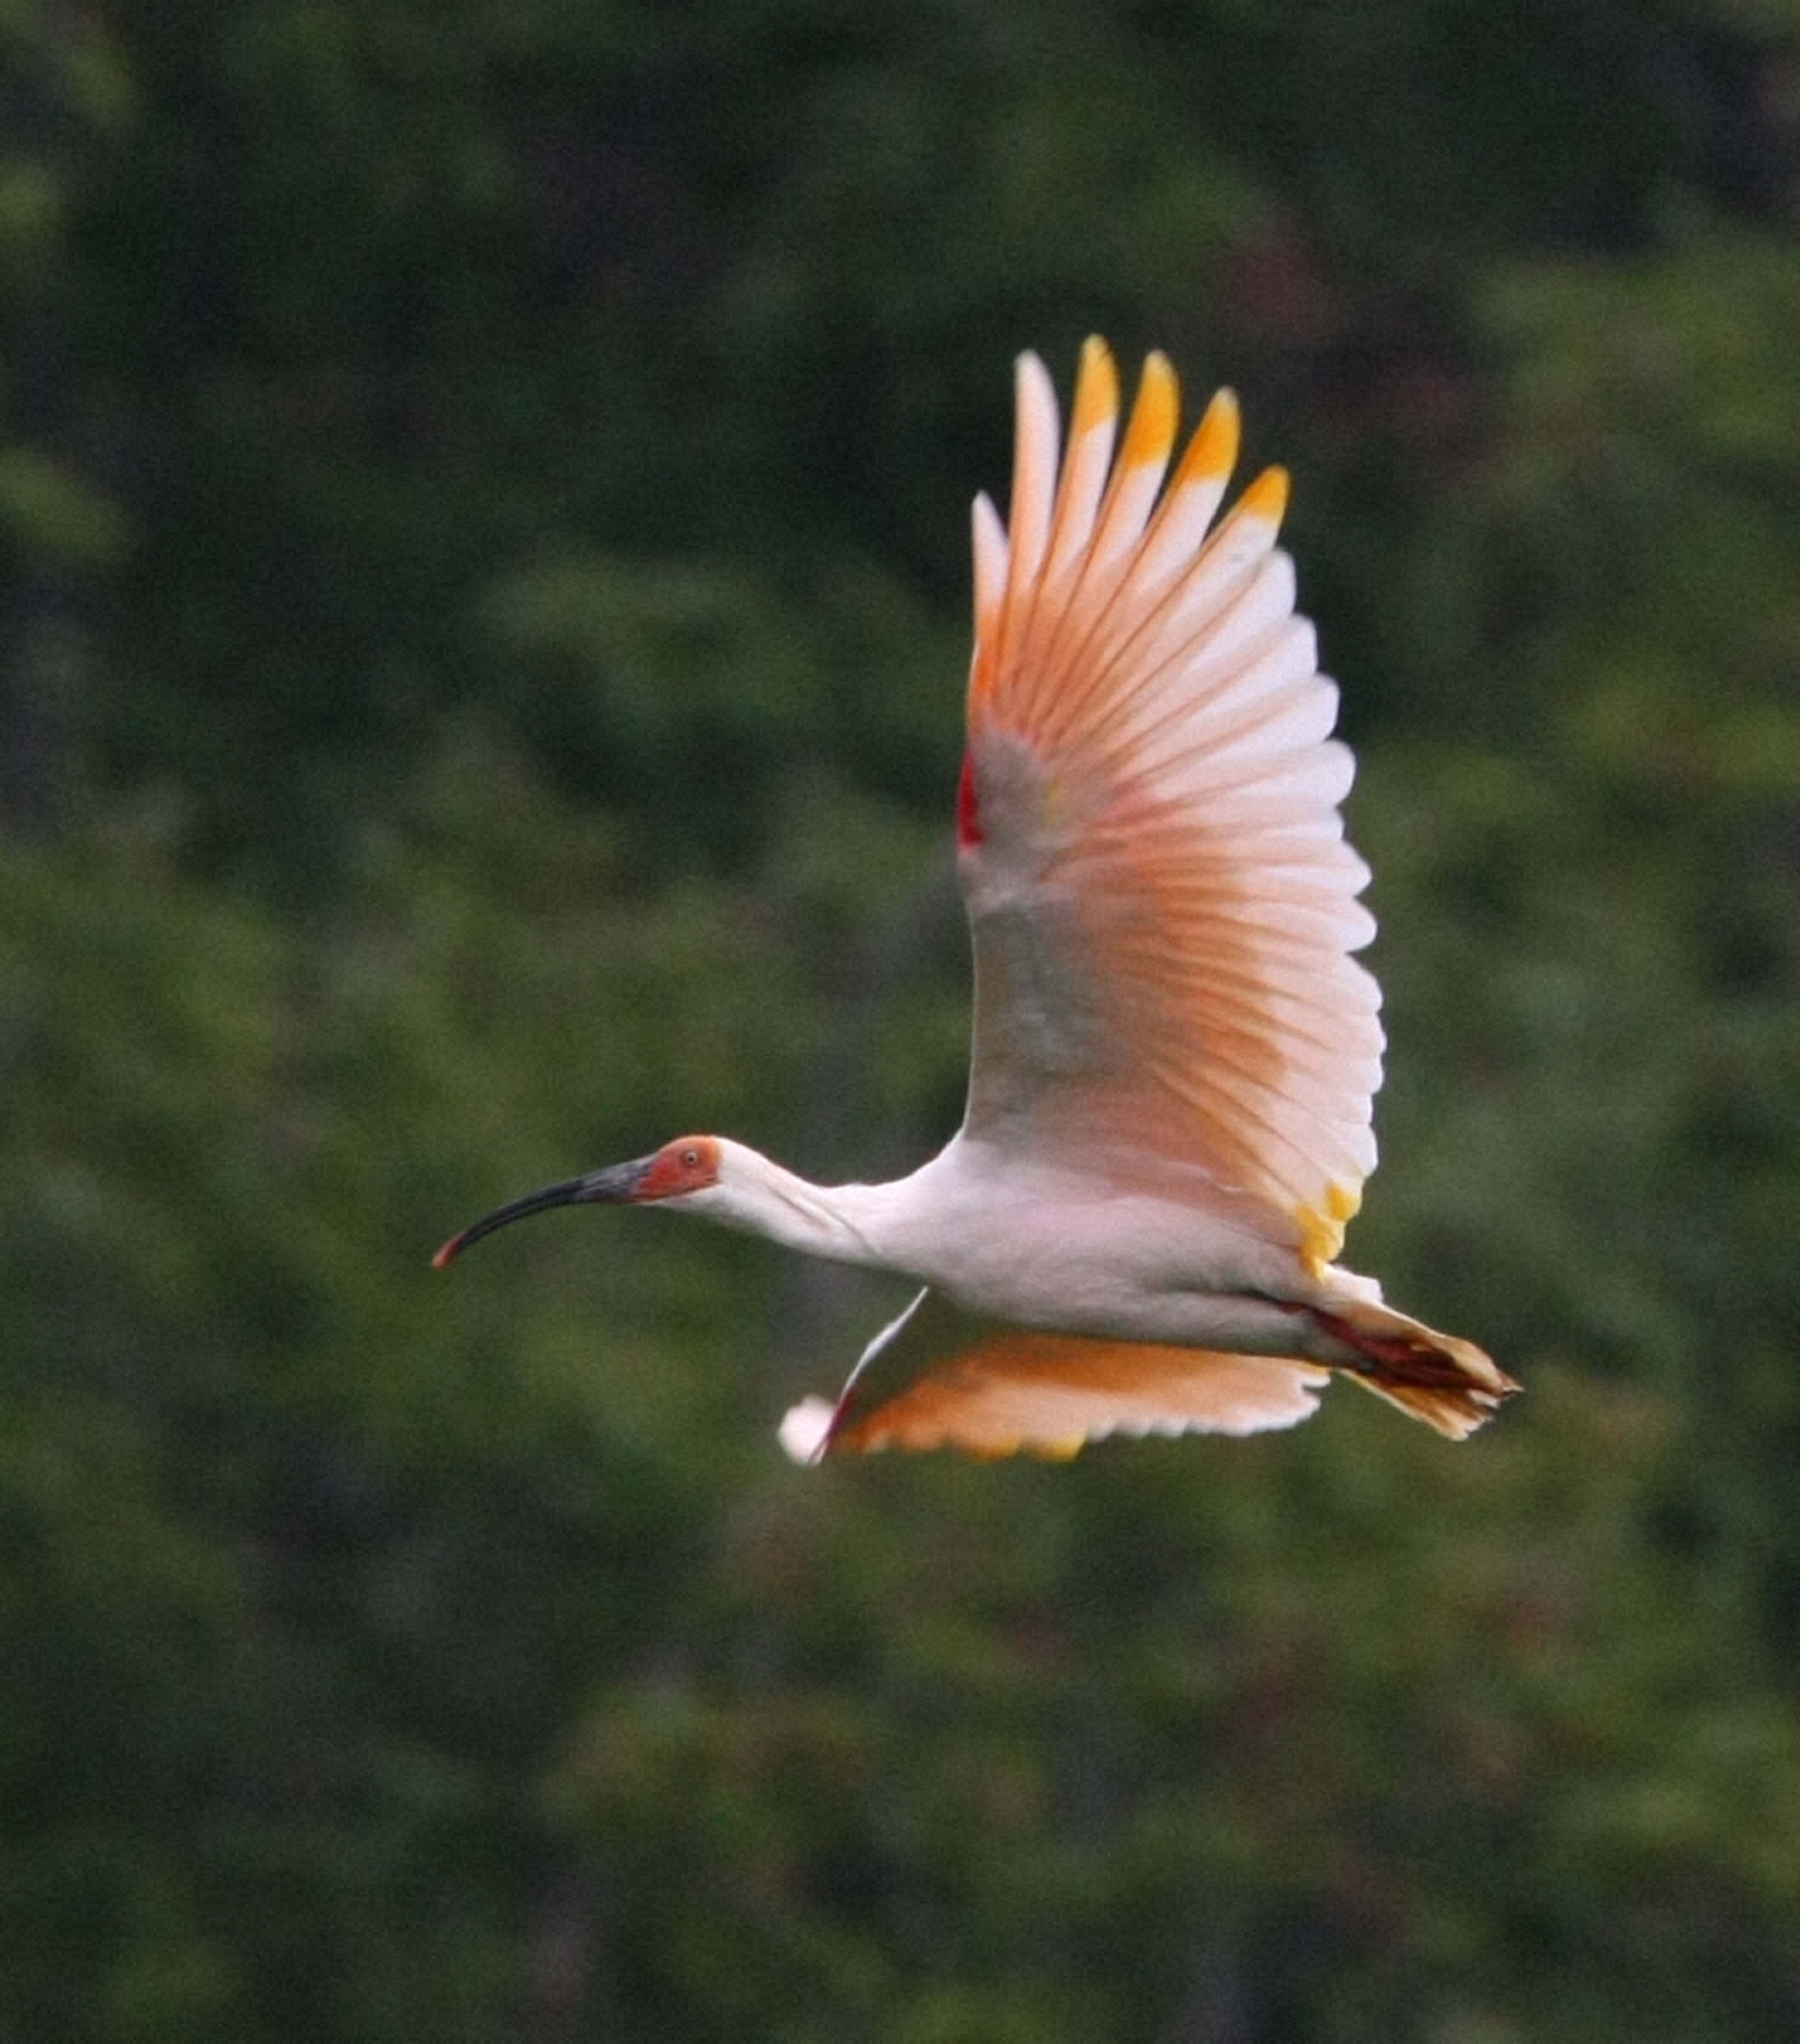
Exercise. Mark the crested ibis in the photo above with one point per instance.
(1175, 1053)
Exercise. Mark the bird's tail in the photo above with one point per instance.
(1447, 1382)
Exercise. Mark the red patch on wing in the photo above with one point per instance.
(969, 832)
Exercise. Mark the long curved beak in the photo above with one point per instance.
(612, 1187)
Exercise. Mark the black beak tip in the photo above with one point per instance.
(619, 1182)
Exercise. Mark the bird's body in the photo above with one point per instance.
(1175, 1054)
(1030, 1244)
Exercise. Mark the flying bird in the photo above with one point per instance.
(1176, 1054)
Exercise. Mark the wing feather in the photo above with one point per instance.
(939, 1377)
(1034, 483)
(1091, 426)
(991, 555)
(1143, 461)
(1163, 901)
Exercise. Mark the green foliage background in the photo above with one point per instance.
(483, 498)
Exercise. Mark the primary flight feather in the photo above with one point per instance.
(1175, 1052)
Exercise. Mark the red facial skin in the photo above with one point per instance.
(689, 1164)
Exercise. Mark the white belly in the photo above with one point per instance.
(1053, 1249)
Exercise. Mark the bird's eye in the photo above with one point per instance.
(691, 1158)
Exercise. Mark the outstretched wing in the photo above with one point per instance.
(1163, 904)
(939, 1377)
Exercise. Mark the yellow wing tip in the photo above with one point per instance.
(1212, 453)
(1267, 497)
(1155, 414)
(1097, 388)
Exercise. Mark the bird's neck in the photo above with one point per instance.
(761, 1196)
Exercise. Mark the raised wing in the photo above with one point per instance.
(1163, 904)
(939, 1377)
